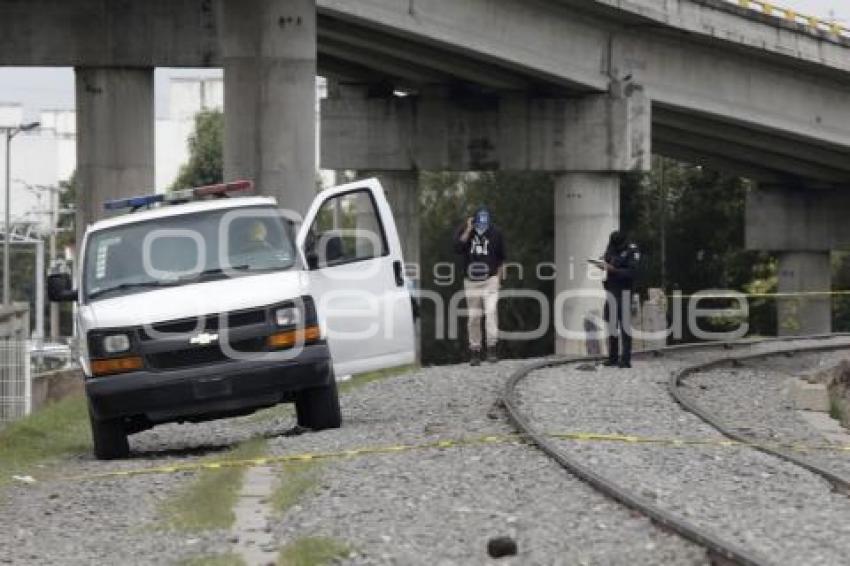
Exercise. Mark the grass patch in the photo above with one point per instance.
(208, 501)
(312, 551)
(837, 409)
(296, 479)
(59, 429)
(362, 379)
(216, 560)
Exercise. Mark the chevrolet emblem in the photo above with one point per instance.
(203, 339)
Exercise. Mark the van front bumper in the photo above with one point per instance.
(210, 391)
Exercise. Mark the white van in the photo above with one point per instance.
(205, 305)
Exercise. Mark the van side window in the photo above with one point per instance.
(347, 228)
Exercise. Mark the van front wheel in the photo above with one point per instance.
(109, 437)
(318, 408)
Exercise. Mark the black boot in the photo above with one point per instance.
(475, 357)
(613, 351)
(626, 358)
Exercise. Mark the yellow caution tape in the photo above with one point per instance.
(738, 294)
(450, 443)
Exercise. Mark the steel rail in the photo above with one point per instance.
(675, 384)
(719, 550)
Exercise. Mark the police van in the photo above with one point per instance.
(205, 303)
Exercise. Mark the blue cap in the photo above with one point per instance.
(481, 221)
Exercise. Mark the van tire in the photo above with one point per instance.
(109, 437)
(318, 408)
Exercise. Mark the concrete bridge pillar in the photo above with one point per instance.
(268, 51)
(804, 272)
(115, 137)
(587, 210)
(802, 226)
(402, 190)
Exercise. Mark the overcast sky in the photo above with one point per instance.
(51, 88)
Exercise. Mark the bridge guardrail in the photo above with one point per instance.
(793, 16)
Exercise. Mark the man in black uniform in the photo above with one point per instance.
(621, 263)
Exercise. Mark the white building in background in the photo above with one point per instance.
(40, 158)
(48, 156)
(186, 97)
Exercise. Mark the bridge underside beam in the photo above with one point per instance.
(396, 56)
(805, 150)
(783, 218)
(722, 163)
(709, 145)
(598, 133)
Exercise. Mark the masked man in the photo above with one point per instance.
(620, 263)
(483, 250)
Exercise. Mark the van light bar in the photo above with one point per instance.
(222, 189)
(132, 202)
(179, 196)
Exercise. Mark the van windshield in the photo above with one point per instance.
(186, 248)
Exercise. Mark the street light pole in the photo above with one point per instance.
(7, 228)
(7, 223)
(54, 225)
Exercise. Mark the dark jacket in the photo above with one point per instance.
(625, 262)
(483, 254)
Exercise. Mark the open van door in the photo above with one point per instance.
(356, 272)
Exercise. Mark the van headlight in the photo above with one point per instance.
(116, 343)
(287, 316)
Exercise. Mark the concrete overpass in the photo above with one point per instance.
(586, 89)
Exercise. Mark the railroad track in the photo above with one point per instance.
(839, 482)
(719, 549)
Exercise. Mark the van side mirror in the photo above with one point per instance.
(60, 288)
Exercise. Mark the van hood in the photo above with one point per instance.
(194, 299)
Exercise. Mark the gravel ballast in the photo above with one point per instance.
(443, 506)
(756, 400)
(746, 497)
(436, 506)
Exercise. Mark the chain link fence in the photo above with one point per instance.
(15, 367)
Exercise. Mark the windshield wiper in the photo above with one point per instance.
(214, 271)
(124, 286)
(244, 268)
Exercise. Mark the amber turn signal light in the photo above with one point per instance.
(115, 365)
(290, 338)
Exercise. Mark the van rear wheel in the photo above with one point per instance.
(109, 437)
(318, 408)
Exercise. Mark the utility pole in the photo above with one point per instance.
(10, 133)
(52, 213)
(54, 226)
(663, 223)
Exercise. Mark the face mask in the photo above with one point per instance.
(482, 222)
